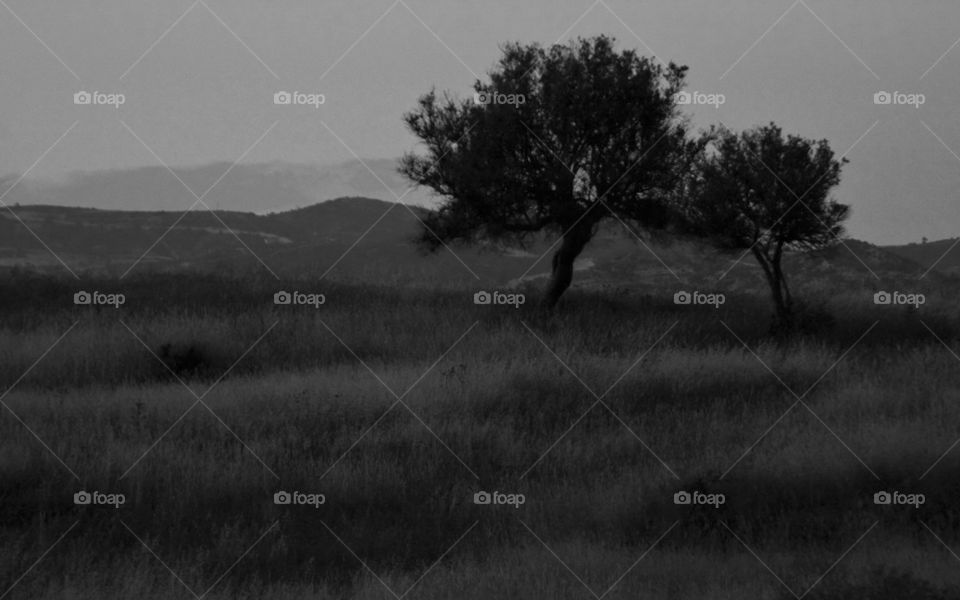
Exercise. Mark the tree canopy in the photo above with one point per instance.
(767, 193)
(559, 139)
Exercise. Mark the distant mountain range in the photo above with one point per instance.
(369, 240)
(257, 188)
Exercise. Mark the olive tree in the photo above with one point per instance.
(556, 141)
(766, 193)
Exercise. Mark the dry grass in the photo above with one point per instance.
(499, 412)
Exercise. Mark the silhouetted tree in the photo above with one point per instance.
(557, 141)
(766, 193)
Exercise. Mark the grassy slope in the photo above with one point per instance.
(500, 399)
(941, 254)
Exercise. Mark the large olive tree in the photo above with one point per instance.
(558, 140)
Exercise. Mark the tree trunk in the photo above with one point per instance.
(561, 275)
(785, 321)
(787, 299)
(782, 301)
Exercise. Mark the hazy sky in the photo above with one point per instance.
(199, 79)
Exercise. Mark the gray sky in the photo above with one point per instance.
(199, 83)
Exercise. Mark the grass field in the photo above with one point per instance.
(399, 405)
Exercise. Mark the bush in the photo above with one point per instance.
(813, 318)
(187, 359)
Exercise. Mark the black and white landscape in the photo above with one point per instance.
(422, 299)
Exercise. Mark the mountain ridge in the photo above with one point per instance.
(373, 241)
(247, 187)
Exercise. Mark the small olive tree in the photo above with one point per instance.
(767, 193)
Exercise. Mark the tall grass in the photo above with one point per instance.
(350, 400)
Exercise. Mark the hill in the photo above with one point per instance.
(259, 188)
(369, 240)
(941, 255)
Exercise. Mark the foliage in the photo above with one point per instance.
(563, 138)
(768, 194)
